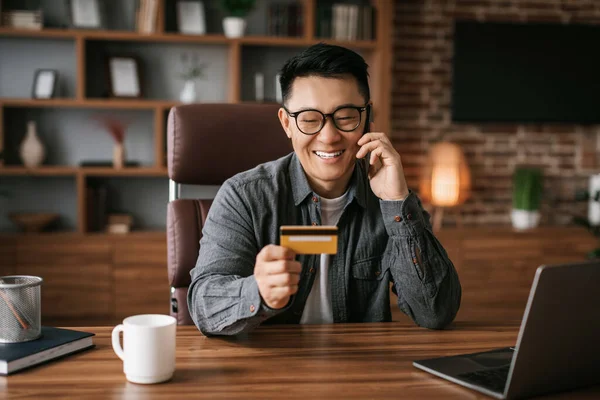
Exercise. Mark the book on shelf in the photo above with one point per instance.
(147, 16)
(22, 19)
(285, 19)
(341, 21)
(53, 344)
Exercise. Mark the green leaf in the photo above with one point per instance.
(594, 254)
(237, 8)
(527, 188)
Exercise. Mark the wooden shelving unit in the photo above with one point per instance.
(377, 53)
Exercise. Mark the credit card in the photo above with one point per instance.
(309, 239)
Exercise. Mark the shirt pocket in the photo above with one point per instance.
(369, 269)
(369, 290)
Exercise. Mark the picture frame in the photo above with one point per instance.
(44, 84)
(85, 14)
(124, 77)
(191, 17)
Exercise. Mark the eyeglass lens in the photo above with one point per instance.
(345, 119)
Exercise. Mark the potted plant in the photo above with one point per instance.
(527, 193)
(234, 24)
(191, 71)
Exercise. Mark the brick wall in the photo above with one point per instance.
(421, 111)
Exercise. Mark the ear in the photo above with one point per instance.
(285, 122)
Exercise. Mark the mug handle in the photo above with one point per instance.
(116, 342)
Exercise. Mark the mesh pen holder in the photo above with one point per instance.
(20, 308)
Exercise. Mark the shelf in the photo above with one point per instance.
(124, 172)
(301, 42)
(107, 35)
(86, 171)
(48, 33)
(40, 171)
(135, 234)
(89, 103)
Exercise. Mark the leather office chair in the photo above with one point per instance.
(206, 144)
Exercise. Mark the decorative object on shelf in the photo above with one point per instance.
(147, 16)
(234, 24)
(105, 164)
(44, 84)
(592, 222)
(259, 86)
(446, 179)
(594, 200)
(22, 19)
(278, 95)
(119, 223)
(527, 193)
(116, 129)
(192, 71)
(124, 77)
(86, 14)
(32, 222)
(191, 18)
(32, 149)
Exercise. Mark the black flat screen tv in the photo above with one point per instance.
(526, 73)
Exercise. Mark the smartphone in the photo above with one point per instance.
(369, 119)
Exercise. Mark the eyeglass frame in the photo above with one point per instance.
(366, 107)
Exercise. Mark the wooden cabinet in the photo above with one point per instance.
(94, 279)
(140, 276)
(496, 266)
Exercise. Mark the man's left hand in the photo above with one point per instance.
(385, 166)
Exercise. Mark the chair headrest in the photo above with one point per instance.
(209, 143)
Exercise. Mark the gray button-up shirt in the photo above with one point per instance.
(378, 242)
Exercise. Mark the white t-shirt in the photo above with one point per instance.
(318, 304)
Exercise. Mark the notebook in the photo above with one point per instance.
(54, 343)
(558, 346)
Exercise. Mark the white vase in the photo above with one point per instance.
(234, 27)
(188, 93)
(593, 205)
(523, 219)
(32, 150)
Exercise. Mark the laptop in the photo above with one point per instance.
(558, 347)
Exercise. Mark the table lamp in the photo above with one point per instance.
(446, 180)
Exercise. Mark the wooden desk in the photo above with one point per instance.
(345, 361)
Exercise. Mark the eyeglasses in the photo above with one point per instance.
(310, 122)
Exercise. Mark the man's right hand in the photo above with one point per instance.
(277, 275)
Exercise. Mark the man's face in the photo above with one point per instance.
(328, 157)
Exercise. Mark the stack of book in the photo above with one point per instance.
(345, 21)
(23, 19)
(285, 19)
(147, 16)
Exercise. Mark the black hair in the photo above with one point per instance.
(327, 61)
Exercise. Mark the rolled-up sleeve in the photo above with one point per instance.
(223, 298)
(425, 279)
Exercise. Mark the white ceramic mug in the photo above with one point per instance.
(148, 351)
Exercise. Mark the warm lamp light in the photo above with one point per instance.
(446, 180)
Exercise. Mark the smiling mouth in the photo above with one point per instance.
(326, 155)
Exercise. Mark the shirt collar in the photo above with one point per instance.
(301, 189)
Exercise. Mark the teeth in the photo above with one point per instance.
(322, 154)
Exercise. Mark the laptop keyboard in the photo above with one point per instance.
(493, 378)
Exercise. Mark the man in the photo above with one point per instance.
(243, 278)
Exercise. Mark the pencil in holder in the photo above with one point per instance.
(20, 308)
